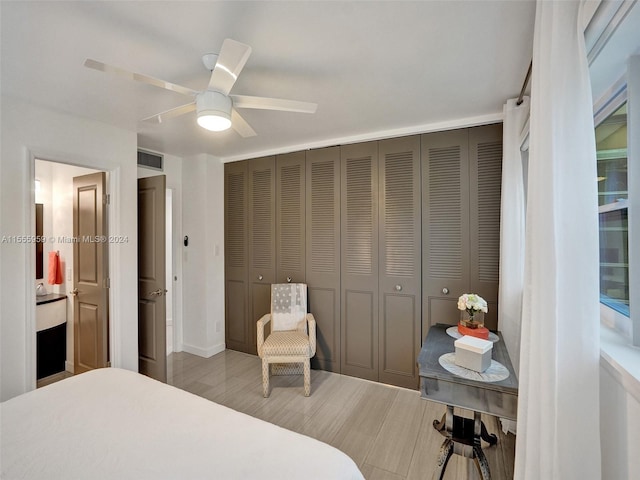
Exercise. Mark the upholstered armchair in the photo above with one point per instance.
(292, 341)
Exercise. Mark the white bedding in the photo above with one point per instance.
(116, 424)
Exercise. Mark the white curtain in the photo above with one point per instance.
(512, 229)
(558, 410)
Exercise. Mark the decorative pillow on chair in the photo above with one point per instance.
(288, 306)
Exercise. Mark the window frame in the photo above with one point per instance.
(610, 316)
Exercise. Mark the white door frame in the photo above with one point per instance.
(113, 222)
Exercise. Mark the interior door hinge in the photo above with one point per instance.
(106, 199)
(107, 282)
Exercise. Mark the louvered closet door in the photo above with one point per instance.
(485, 166)
(323, 253)
(262, 240)
(359, 263)
(236, 256)
(400, 261)
(445, 225)
(290, 208)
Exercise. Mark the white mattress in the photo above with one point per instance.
(116, 424)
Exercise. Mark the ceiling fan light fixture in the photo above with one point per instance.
(214, 111)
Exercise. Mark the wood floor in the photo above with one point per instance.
(56, 377)
(386, 430)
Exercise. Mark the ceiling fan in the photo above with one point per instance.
(216, 109)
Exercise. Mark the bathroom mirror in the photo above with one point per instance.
(39, 244)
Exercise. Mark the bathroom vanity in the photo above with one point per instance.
(51, 328)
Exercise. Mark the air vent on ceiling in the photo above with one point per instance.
(150, 160)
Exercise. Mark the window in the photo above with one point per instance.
(611, 146)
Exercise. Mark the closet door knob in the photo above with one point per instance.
(398, 288)
(260, 277)
(288, 279)
(445, 291)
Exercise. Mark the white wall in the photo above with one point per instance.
(619, 424)
(203, 259)
(29, 131)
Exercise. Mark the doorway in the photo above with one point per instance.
(54, 191)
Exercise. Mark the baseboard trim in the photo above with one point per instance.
(203, 352)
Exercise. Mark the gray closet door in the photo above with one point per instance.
(236, 259)
(323, 253)
(400, 261)
(262, 241)
(445, 225)
(359, 260)
(485, 164)
(290, 208)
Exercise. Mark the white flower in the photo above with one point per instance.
(472, 303)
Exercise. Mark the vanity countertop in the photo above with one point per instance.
(51, 297)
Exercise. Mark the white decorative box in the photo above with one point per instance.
(473, 353)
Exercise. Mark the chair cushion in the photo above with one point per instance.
(286, 343)
(288, 306)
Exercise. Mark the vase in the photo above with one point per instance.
(472, 321)
(473, 325)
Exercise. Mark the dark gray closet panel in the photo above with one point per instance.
(485, 155)
(359, 260)
(400, 261)
(445, 225)
(290, 210)
(323, 253)
(237, 335)
(262, 240)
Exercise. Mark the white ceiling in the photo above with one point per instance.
(374, 68)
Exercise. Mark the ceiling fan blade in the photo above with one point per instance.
(263, 103)
(103, 67)
(171, 113)
(240, 125)
(233, 56)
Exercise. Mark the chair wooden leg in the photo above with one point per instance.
(265, 378)
(307, 377)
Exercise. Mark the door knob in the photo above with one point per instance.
(156, 293)
(288, 279)
(445, 291)
(260, 277)
(398, 288)
(74, 292)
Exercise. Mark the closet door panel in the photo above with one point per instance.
(290, 213)
(262, 241)
(359, 260)
(236, 256)
(445, 225)
(360, 334)
(485, 170)
(323, 253)
(400, 266)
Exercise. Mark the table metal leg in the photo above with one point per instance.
(480, 431)
(446, 450)
(463, 437)
(481, 463)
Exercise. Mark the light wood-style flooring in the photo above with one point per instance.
(56, 377)
(386, 430)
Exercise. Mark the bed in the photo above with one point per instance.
(116, 424)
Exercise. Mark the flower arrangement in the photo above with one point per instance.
(472, 304)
